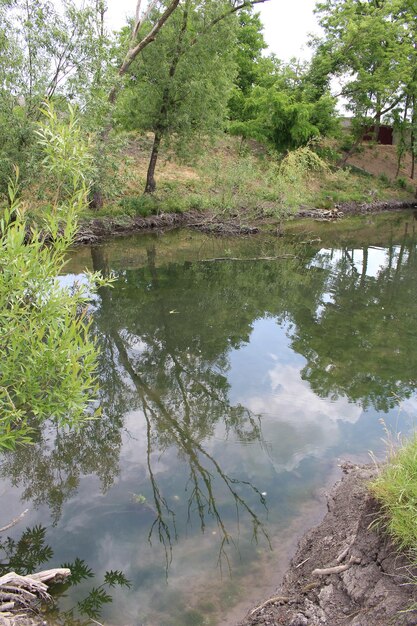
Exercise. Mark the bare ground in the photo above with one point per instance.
(378, 159)
(373, 590)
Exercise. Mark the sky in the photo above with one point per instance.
(287, 24)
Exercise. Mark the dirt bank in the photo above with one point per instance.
(95, 230)
(373, 587)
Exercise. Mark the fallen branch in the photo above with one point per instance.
(256, 258)
(337, 569)
(14, 521)
(24, 591)
(343, 554)
(51, 576)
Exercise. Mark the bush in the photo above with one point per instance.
(48, 359)
(139, 205)
(402, 183)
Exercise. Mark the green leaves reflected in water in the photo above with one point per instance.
(361, 342)
(178, 371)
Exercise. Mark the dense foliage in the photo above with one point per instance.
(179, 88)
(370, 47)
(48, 359)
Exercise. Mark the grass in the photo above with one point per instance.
(230, 179)
(396, 490)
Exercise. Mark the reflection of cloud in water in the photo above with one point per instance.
(375, 262)
(295, 422)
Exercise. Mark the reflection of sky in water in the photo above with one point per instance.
(301, 435)
(296, 423)
(376, 260)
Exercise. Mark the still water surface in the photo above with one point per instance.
(229, 389)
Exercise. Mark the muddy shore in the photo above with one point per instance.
(371, 585)
(95, 230)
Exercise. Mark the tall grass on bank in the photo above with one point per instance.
(396, 490)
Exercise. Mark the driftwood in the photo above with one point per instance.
(18, 592)
(274, 600)
(22, 592)
(14, 521)
(337, 569)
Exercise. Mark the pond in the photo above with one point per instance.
(234, 374)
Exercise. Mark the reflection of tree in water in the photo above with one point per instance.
(361, 341)
(169, 344)
(50, 469)
(165, 337)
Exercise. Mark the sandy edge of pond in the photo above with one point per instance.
(95, 230)
(373, 589)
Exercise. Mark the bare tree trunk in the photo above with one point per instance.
(136, 49)
(150, 177)
(402, 146)
(165, 106)
(413, 124)
(377, 118)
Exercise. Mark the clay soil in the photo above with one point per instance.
(375, 587)
(382, 160)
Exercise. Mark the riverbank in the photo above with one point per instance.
(100, 228)
(346, 571)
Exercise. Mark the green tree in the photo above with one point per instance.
(249, 46)
(363, 45)
(46, 53)
(282, 110)
(179, 88)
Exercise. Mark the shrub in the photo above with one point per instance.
(48, 359)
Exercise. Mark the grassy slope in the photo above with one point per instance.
(235, 179)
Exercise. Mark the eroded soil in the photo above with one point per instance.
(373, 590)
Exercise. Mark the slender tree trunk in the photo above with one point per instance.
(377, 123)
(151, 254)
(402, 144)
(364, 265)
(165, 107)
(150, 177)
(413, 137)
(29, 44)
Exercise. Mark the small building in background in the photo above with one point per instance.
(386, 134)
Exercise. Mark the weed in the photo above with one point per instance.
(139, 205)
(383, 178)
(401, 183)
(396, 489)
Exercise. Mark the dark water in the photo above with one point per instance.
(229, 389)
